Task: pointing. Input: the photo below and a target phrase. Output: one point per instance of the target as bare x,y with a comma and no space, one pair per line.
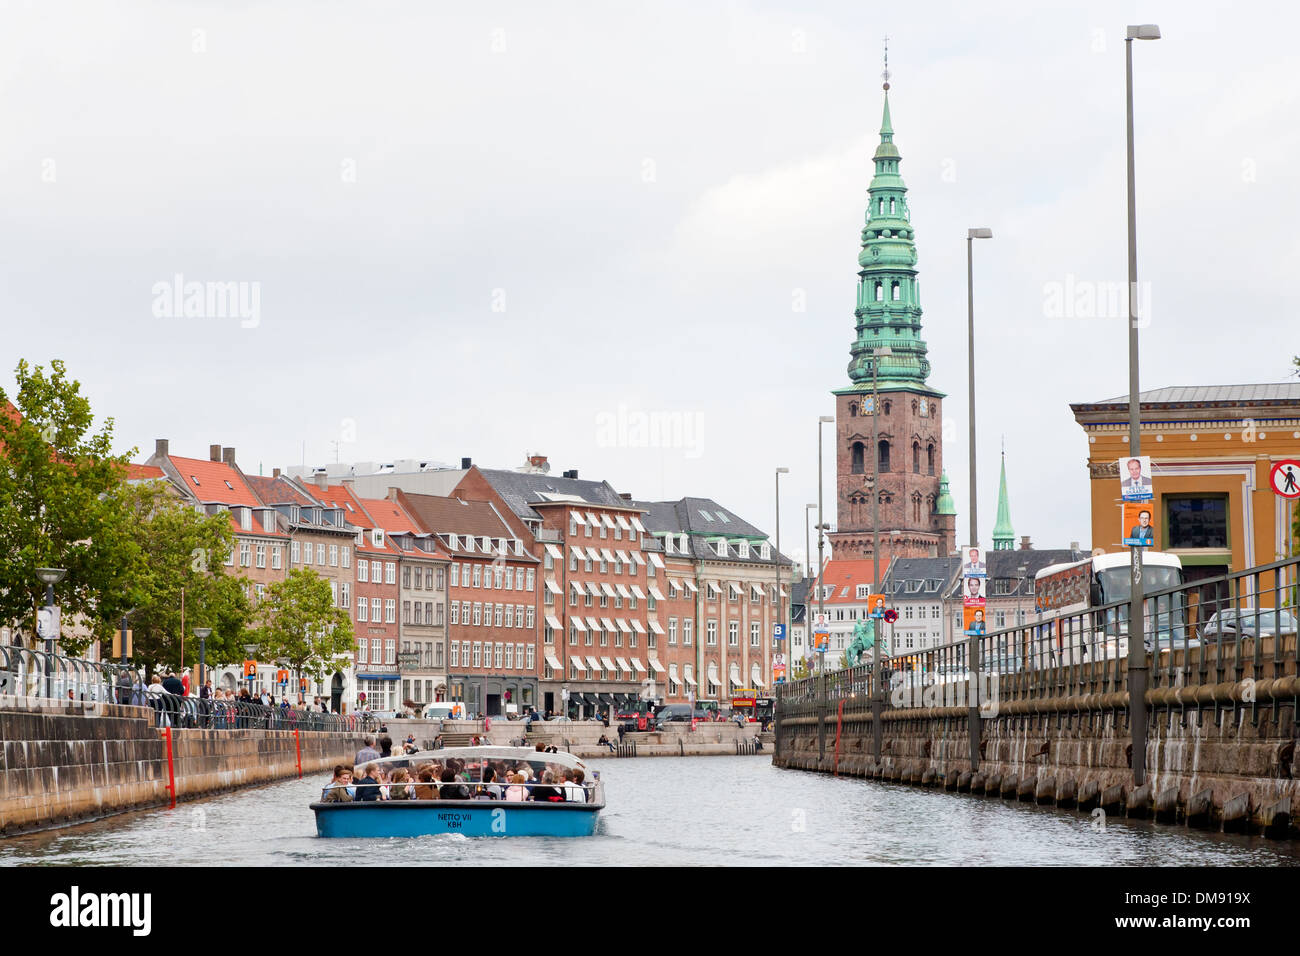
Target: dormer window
743,547
721,547
377,537
486,543
453,542
765,551
469,542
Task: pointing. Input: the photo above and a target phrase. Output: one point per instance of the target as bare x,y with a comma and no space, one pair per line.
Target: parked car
1232,622
673,713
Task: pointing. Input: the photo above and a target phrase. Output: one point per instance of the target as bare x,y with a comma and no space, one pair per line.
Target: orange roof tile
216,481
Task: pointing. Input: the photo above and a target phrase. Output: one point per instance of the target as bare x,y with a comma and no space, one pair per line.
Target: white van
439,711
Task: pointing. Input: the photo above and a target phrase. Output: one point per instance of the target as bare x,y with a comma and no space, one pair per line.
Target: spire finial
885,75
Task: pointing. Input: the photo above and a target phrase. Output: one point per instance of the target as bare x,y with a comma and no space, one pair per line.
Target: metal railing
29,673
1212,631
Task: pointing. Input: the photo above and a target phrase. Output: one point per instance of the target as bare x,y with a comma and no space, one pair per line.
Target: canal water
661,811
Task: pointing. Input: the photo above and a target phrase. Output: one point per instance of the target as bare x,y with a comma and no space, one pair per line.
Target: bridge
1199,730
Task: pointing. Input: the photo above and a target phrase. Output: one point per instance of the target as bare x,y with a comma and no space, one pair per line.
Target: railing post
974,727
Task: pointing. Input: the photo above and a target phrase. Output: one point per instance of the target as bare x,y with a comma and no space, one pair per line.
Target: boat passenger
451,789
490,788
545,791
368,784
574,791
400,788
515,793
340,789
427,788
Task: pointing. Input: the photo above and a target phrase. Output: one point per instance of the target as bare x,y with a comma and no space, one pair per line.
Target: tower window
858,453
916,457
929,457
882,456
895,290
891,207
880,292
882,207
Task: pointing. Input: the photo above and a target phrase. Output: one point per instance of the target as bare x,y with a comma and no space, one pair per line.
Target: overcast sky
506,230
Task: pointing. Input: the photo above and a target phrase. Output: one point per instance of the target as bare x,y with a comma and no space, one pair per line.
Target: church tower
909,421
1004,535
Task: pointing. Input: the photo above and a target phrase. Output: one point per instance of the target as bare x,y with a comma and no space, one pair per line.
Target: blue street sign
778,632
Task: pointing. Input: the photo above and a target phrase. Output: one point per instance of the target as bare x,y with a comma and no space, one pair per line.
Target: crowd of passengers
453,778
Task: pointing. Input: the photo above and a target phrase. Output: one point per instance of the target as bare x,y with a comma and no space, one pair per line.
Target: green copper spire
945,504
889,308
1004,536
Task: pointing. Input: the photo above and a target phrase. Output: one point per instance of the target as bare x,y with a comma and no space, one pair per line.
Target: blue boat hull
414,818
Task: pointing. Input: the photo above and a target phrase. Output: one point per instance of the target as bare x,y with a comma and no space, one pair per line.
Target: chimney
1074,546
466,464
275,473
1024,543
322,481
214,453
625,495
571,473
228,456
160,448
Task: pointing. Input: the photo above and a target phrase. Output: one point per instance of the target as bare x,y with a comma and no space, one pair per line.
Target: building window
361,651
346,595
245,554
733,634
711,633
478,654
455,612
320,554
882,458
753,634
529,582
531,618
478,614
390,577
688,631
1199,521
406,612
406,576
929,458
293,552
496,615
362,609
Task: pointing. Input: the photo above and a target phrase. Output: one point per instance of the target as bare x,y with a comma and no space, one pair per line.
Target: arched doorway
336,693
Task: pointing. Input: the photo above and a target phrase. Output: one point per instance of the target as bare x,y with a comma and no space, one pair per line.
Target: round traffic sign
1285,478
891,615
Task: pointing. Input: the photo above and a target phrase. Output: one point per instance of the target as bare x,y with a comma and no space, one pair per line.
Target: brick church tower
917,518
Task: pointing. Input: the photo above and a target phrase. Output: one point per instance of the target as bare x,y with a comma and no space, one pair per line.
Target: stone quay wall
1228,767
64,762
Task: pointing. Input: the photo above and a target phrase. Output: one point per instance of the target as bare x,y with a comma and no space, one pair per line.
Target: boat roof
491,752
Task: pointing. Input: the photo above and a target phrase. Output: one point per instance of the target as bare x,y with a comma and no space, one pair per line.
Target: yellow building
1212,449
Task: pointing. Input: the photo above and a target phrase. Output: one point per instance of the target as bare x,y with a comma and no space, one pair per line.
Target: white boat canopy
489,751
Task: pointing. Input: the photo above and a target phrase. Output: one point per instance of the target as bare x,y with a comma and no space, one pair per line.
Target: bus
1065,590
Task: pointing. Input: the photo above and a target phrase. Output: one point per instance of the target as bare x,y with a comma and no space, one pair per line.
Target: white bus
1062,590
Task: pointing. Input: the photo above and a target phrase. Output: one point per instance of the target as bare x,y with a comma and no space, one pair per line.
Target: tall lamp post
1137,652
780,602
202,633
971,236
807,551
878,699
821,536
47,621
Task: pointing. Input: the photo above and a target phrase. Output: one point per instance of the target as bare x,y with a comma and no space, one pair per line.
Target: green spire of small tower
945,505
1004,536
888,307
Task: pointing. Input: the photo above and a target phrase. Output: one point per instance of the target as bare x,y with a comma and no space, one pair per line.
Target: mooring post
974,728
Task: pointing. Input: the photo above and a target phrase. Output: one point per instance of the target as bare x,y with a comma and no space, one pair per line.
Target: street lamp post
878,699
821,536
971,236
48,621
780,602
202,633
1137,653
807,551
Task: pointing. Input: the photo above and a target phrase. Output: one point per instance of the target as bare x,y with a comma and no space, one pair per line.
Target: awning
636,523
711,588
593,624
623,665
608,589
576,586
657,561
734,589
623,625
376,677
756,592
577,516
609,625
656,627
672,674
622,556
554,622
609,522
554,552
595,522
735,674
655,592
595,664
609,664
622,523
713,674
576,661
654,663
690,584
593,588
576,621
756,675
593,554
636,626
636,662
784,594
607,554
577,552
689,674
623,592
553,663
553,587
638,592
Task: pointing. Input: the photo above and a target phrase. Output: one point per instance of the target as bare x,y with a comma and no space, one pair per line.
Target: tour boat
475,817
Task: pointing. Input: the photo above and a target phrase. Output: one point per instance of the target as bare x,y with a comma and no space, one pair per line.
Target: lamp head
783,471
979,233
826,418
203,632
51,575
1145,31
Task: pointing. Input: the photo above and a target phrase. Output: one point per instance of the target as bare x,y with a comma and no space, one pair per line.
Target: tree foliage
61,505
299,626
183,553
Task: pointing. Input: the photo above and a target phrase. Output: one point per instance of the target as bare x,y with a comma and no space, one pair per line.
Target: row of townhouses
501,589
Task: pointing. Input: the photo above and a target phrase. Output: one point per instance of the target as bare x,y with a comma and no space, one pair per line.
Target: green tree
183,553
61,505
798,668
300,626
